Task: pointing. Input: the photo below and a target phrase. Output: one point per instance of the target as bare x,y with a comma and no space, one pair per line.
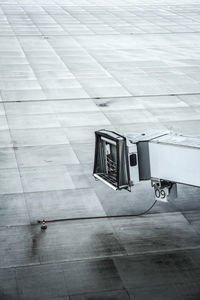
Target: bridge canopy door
111,159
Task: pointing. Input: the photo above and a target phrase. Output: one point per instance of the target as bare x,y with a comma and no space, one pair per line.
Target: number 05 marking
160,193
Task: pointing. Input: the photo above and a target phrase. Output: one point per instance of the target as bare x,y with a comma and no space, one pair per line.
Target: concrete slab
13,210
39,137
47,155
193,218
7,158
92,276
161,232
134,270
113,295
8,284
45,288
10,181
33,121
63,204
45,178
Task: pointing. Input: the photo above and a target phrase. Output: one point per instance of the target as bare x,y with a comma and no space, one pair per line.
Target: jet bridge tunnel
162,157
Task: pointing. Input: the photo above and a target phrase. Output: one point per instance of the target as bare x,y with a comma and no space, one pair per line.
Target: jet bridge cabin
176,158
162,157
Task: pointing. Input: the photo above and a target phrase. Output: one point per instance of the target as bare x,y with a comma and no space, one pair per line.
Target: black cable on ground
99,217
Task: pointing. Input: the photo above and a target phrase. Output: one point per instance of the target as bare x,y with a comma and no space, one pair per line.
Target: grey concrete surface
68,68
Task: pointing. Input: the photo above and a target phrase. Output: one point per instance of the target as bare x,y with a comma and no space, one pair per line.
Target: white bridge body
175,158
169,159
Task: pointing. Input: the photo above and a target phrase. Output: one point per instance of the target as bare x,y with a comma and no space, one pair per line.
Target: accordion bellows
111,159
